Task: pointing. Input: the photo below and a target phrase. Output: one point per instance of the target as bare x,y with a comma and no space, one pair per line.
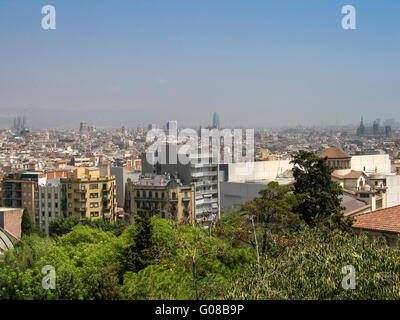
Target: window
49,195
156,194
69,205
94,186
138,194
56,196
94,214
69,195
69,186
94,204
56,205
150,194
94,195
83,188
49,214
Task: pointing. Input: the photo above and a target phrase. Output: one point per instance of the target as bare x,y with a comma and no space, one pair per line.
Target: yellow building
87,194
162,196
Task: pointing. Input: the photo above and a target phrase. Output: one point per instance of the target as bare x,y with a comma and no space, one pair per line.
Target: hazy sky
255,62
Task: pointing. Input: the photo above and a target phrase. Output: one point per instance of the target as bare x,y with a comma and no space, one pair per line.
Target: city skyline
16,119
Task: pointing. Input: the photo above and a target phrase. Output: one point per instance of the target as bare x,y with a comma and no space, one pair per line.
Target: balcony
204,174
141,199
205,211
206,183
208,191
206,201
106,205
80,190
202,165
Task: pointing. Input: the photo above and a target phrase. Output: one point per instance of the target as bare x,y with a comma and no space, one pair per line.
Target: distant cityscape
59,166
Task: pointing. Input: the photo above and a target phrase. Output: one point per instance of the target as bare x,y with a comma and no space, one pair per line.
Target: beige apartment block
87,194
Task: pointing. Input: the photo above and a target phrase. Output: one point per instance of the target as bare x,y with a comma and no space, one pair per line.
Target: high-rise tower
216,123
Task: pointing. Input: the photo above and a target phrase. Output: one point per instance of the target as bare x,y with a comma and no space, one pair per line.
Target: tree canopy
318,196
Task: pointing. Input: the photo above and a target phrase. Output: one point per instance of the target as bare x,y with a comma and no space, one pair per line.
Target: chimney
373,202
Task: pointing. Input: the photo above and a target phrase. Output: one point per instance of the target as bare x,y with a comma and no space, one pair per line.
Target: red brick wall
12,221
57,174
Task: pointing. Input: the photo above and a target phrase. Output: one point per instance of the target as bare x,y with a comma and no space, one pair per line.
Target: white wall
262,170
233,194
381,162
393,190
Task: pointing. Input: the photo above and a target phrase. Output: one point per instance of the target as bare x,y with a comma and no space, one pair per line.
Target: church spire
361,128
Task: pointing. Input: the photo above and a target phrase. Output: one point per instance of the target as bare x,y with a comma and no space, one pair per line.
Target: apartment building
201,169
88,194
20,190
121,177
49,202
163,196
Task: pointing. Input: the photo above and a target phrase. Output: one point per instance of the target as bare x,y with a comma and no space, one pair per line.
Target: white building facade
49,202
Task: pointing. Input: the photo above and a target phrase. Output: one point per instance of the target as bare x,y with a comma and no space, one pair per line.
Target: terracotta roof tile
334,153
380,220
351,175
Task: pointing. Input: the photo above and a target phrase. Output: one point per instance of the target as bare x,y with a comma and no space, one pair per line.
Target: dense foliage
27,225
309,266
93,264
62,225
185,262
318,195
